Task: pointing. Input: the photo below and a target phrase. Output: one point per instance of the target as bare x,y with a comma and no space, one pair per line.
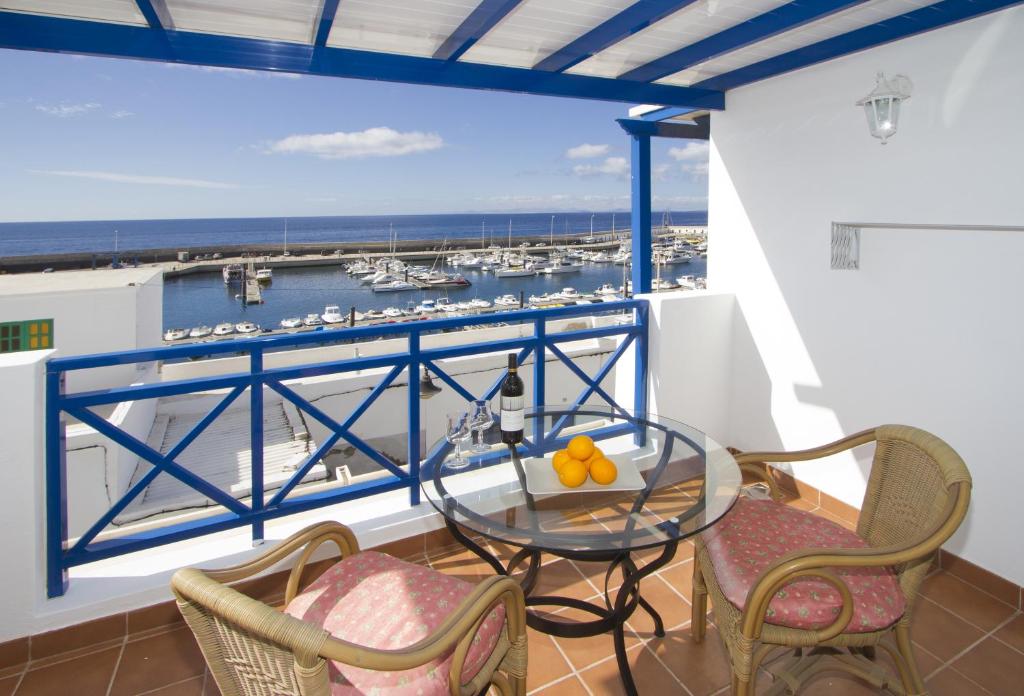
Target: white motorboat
393,286
312,320
466,305
664,284
516,271
600,257
373,314
200,332
246,327
687,282
233,273
426,307
393,312
437,279
543,299
332,315
478,303
175,334
291,323
445,305
622,258
558,265
606,290
567,294
378,277
506,301
224,329
671,258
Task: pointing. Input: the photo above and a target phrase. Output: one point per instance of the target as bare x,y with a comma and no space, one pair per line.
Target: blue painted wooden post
540,332
256,438
640,176
640,373
56,487
414,418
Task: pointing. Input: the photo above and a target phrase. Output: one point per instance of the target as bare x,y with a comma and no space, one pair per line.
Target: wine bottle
512,404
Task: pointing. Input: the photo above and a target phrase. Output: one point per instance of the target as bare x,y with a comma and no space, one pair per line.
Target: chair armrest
311,538
849,442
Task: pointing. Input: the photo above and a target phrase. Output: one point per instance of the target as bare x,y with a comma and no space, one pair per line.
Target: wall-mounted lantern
882,106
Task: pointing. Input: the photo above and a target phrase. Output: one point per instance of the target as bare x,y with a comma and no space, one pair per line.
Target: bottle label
512,413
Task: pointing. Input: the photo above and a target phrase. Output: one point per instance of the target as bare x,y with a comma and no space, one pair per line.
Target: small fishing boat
567,294
246,327
393,312
312,320
478,303
224,329
175,334
605,290
687,282
373,314
664,284
523,271
543,299
200,332
443,304
506,301
265,275
600,257
393,286
291,323
426,307
332,315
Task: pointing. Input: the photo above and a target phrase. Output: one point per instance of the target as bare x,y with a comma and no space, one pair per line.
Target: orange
603,471
573,473
581,447
560,458
597,454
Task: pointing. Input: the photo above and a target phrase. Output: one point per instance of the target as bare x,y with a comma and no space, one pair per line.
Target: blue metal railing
63,554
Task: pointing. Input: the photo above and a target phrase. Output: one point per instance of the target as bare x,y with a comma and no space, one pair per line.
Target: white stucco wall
928,332
93,312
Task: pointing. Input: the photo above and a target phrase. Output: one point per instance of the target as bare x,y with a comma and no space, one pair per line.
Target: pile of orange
582,459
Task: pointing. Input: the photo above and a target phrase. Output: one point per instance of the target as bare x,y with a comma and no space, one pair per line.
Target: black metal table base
612,616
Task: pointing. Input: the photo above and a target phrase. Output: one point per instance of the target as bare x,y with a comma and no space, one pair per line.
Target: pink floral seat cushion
756,533
378,601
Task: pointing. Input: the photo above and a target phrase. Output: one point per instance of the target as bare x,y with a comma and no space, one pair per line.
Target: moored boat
246,327
291,323
175,334
224,329
200,332
332,315
312,320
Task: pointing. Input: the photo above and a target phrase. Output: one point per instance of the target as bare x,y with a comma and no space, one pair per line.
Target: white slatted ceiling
697,21
538,28
284,20
119,11
408,27
839,23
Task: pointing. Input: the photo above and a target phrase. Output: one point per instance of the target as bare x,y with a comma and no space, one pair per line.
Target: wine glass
481,418
457,431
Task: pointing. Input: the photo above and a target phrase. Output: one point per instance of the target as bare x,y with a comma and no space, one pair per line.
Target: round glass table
673,482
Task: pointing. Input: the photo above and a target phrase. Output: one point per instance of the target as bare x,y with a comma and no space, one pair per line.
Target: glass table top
683,483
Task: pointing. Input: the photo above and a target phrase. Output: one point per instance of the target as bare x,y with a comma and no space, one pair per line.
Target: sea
204,299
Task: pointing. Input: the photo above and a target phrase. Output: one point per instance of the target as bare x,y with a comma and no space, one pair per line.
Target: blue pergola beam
925,19
328,11
763,26
40,33
634,18
665,113
479,22
156,14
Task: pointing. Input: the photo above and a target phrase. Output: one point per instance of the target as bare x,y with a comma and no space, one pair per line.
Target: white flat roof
70,281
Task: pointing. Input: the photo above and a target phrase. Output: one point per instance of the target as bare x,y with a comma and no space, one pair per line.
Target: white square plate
542,479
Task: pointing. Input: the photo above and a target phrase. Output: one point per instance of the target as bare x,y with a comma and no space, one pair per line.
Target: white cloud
66,110
586,151
235,72
691,152
122,114
372,142
136,178
697,169
612,166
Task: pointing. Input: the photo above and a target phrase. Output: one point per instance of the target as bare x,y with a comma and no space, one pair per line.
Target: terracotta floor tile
940,632
949,682
1013,633
680,578
702,667
190,687
211,688
546,663
976,607
838,685
8,685
649,675
92,675
567,687
157,661
462,564
995,665
562,579
595,572
674,610
583,652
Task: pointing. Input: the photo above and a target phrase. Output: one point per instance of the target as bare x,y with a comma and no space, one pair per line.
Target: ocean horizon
106,236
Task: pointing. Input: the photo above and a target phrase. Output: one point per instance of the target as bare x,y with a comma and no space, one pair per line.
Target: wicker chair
833,601
253,649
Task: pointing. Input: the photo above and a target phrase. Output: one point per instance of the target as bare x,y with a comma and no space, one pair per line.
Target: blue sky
94,138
